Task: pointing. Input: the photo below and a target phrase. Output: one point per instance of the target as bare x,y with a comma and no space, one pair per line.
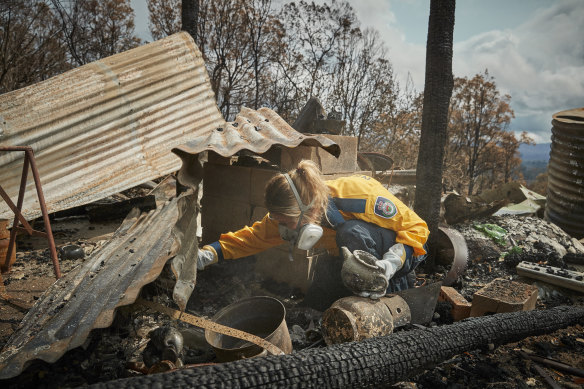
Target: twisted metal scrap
460,259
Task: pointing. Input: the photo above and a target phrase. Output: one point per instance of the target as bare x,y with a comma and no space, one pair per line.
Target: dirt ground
121,350
33,271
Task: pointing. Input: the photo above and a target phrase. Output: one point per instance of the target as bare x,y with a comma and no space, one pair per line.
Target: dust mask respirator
303,237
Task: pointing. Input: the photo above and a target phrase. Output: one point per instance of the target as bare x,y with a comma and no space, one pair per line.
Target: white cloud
406,58
540,63
537,138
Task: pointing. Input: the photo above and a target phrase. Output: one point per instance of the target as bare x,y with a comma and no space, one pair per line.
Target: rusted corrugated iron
87,296
109,125
106,127
256,131
565,193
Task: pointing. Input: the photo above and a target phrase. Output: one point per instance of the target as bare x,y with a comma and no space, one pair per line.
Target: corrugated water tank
565,193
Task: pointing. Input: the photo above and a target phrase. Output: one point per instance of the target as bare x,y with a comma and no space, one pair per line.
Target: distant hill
538,152
534,160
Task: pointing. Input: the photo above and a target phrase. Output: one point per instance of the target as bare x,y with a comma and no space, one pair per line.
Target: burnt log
375,363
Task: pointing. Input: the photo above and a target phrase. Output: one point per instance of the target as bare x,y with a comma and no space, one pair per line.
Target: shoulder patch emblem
384,208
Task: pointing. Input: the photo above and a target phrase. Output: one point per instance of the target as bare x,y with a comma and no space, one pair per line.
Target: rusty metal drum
565,191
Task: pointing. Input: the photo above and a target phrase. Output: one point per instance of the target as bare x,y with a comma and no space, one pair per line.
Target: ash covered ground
121,350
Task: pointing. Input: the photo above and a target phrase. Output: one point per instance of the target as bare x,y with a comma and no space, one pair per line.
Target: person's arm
389,212
249,240
367,199
413,233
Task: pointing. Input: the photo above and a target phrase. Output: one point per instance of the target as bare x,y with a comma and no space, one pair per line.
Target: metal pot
262,316
361,273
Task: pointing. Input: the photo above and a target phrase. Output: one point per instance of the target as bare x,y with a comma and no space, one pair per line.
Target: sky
534,49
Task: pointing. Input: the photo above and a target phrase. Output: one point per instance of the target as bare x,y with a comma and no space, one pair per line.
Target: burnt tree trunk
437,91
373,363
189,17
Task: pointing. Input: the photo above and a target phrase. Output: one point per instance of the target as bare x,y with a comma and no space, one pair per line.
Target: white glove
206,257
371,295
392,260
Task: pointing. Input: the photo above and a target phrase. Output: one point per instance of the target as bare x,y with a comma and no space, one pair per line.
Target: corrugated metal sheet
88,295
256,131
103,128
107,126
565,193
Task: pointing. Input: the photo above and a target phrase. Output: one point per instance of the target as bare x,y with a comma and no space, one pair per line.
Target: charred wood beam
549,380
554,364
375,363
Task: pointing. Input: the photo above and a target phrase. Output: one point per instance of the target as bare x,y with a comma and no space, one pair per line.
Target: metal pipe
15,148
16,211
37,182
13,231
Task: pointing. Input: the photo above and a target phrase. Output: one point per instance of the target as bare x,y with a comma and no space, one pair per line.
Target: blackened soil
118,351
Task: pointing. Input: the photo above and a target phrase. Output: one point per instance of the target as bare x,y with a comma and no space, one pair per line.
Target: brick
209,235
289,157
460,307
502,296
347,161
257,214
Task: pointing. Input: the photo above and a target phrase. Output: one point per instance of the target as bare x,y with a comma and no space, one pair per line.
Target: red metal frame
29,160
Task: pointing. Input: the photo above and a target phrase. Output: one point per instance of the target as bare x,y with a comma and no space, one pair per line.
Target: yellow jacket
356,197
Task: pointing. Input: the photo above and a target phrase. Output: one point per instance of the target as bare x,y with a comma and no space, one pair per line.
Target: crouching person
354,216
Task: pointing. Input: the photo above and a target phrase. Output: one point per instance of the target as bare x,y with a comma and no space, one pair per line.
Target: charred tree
373,363
190,16
437,92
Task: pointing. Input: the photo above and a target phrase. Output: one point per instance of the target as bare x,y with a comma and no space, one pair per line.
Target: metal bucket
262,316
565,193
